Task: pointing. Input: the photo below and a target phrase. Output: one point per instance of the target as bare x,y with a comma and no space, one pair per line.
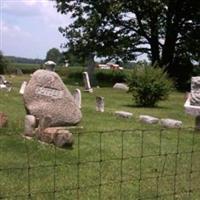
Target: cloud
13,31
30,27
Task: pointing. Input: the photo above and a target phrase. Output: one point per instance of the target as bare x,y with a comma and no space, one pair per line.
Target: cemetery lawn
95,162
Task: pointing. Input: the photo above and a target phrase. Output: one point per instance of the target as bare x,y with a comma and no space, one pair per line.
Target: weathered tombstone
19,71
171,123
123,114
77,97
148,119
100,104
86,80
2,79
192,104
22,88
29,125
46,95
121,86
50,65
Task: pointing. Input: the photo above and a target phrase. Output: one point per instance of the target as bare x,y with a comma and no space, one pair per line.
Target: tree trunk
91,69
155,55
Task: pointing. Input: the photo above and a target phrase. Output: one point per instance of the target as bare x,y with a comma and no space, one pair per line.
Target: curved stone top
46,95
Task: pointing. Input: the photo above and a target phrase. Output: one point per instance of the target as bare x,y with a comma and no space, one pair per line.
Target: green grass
153,161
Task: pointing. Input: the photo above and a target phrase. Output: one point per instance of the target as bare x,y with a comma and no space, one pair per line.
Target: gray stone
195,91
148,119
29,125
124,114
46,95
171,123
121,86
77,97
87,85
100,104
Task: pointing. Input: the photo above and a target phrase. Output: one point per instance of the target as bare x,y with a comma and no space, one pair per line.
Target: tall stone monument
87,85
192,104
46,97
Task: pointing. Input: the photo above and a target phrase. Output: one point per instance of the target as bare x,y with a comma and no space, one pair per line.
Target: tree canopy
166,30
55,55
3,63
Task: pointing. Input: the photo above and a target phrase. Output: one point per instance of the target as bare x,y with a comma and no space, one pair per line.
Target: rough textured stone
100,104
124,114
63,138
195,91
121,86
171,123
3,120
148,119
46,95
29,125
57,136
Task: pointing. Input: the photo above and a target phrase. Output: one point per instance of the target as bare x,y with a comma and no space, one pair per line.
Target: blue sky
29,28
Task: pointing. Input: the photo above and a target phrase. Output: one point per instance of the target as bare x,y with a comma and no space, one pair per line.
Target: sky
29,28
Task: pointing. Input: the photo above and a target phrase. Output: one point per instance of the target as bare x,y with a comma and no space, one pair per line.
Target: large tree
55,55
163,29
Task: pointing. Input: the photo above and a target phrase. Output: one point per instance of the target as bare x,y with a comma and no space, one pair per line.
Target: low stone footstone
86,81
3,120
46,95
148,119
29,125
171,123
77,97
100,104
63,138
121,86
123,114
57,136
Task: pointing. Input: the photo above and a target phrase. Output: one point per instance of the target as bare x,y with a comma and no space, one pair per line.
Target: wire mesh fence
117,164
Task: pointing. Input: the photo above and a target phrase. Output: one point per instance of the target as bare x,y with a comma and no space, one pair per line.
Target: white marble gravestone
192,104
87,85
77,97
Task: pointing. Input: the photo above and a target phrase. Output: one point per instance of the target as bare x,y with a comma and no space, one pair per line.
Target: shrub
149,85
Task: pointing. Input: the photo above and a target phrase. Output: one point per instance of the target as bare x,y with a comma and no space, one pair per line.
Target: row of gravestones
50,107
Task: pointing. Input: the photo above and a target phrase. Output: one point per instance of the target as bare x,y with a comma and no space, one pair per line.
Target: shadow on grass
149,107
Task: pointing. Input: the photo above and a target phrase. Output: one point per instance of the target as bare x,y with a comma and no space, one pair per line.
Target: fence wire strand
142,164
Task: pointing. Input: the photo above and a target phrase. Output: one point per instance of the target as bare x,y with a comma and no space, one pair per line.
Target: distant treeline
24,60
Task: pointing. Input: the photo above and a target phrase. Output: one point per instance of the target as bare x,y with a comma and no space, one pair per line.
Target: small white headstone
77,97
121,86
23,86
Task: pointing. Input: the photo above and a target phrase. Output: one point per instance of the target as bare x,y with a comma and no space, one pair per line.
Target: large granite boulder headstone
46,95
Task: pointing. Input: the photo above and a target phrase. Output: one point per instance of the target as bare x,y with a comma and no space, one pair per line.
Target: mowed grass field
112,158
